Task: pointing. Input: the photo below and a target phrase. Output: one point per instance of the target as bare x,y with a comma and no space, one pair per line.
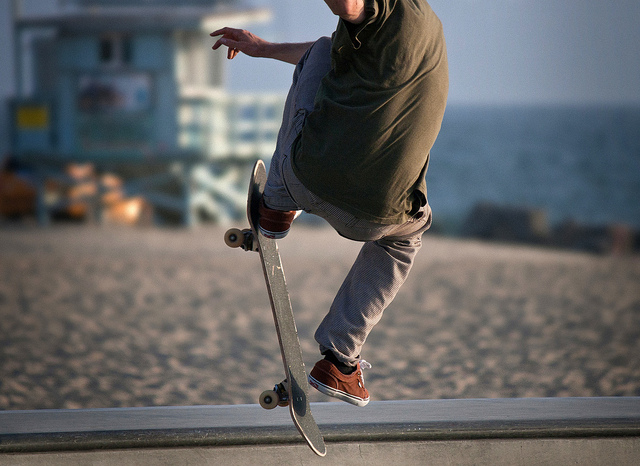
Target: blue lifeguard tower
133,88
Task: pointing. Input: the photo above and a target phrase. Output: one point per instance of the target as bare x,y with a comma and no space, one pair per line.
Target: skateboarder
362,114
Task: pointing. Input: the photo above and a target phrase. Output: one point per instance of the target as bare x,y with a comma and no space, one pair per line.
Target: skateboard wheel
234,238
269,399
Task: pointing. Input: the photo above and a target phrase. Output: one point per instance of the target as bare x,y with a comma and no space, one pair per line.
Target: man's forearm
239,40
286,52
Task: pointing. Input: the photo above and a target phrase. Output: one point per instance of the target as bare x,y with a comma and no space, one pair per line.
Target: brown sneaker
274,223
326,378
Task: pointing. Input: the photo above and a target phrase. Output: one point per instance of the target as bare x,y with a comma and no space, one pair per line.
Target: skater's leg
372,283
312,67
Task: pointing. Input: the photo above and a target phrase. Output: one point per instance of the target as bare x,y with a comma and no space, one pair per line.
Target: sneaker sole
332,392
271,234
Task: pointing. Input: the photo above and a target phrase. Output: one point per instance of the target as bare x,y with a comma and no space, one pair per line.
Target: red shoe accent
274,223
326,378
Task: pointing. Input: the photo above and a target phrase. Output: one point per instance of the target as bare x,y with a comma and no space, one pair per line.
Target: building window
115,50
106,50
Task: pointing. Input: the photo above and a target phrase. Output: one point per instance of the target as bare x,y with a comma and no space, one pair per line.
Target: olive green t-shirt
365,147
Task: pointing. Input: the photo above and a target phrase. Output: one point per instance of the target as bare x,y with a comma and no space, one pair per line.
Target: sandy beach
96,317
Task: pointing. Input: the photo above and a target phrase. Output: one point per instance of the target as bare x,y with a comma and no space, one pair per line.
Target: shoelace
363,365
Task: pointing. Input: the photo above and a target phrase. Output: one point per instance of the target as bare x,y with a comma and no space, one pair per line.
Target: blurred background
117,114
120,111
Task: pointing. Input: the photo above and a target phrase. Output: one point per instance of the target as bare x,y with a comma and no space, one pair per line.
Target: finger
232,44
217,45
232,53
225,30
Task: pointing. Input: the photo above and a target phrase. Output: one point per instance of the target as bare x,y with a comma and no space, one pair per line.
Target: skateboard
294,390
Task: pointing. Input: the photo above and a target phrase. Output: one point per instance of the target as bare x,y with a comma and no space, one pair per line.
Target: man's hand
349,10
239,40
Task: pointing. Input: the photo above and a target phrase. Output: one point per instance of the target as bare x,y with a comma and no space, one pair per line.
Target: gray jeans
388,251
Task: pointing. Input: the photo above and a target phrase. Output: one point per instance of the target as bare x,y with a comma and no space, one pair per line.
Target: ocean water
579,163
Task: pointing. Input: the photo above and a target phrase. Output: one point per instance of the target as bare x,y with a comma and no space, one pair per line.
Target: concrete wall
497,432
611,451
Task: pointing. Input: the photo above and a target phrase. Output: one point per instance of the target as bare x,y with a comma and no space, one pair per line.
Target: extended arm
239,40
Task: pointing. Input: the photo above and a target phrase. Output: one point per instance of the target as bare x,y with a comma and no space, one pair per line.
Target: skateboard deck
296,389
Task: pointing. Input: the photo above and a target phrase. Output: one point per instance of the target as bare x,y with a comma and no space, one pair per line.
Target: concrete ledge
400,421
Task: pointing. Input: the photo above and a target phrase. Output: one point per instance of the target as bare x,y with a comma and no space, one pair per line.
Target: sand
97,317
